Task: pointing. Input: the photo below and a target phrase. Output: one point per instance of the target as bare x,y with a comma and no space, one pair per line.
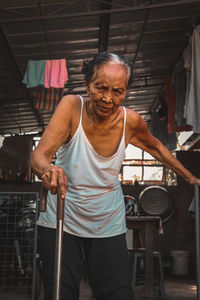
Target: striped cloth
47,99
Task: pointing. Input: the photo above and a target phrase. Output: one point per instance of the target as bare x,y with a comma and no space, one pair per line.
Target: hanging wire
45,29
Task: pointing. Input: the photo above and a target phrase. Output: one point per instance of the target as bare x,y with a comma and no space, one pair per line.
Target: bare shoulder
59,128
69,101
134,120
60,124
137,132
66,109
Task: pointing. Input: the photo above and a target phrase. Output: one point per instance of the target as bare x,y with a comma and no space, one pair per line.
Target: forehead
111,71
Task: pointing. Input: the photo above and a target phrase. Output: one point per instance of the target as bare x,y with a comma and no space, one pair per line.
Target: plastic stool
137,258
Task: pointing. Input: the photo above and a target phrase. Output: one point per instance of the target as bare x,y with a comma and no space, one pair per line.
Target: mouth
103,108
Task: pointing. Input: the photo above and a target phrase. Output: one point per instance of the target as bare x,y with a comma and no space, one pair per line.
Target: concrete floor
177,288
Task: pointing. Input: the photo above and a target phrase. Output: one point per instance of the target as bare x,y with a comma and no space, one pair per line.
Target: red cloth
171,102
55,73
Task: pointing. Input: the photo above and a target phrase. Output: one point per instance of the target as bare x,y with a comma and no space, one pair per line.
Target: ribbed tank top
94,203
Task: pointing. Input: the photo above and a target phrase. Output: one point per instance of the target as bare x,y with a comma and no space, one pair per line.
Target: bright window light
148,156
153,173
132,173
133,152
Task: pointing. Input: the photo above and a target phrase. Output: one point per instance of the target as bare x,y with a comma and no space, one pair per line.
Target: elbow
156,150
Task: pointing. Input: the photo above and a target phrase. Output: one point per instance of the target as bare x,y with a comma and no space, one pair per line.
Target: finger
62,190
46,181
54,180
63,184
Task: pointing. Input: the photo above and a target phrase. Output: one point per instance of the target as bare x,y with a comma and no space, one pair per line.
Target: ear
88,89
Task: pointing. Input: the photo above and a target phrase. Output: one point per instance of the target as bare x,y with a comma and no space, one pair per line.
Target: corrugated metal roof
152,34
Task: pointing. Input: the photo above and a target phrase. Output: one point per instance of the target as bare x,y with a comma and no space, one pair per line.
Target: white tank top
94,204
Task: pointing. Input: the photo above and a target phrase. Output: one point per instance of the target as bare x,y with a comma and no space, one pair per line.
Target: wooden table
148,224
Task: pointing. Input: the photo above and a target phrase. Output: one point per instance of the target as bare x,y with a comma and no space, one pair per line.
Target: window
139,166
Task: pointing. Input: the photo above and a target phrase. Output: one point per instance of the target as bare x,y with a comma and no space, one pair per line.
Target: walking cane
59,237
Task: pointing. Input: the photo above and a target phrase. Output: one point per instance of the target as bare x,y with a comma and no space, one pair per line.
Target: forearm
141,137
40,163
170,161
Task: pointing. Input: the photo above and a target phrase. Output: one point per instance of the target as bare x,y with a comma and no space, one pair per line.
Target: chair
137,258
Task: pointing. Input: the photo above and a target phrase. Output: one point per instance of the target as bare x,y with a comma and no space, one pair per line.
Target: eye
101,87
118,91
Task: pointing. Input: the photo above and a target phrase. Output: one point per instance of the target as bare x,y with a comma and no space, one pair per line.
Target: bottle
18,174
10,175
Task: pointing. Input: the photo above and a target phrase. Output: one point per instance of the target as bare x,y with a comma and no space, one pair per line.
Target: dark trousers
107,262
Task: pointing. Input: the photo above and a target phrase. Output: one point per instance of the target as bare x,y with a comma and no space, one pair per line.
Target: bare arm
141,137
56,133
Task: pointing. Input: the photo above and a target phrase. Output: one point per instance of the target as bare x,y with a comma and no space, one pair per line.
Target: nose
107,98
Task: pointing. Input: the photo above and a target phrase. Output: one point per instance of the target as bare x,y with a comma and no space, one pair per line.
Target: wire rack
18,244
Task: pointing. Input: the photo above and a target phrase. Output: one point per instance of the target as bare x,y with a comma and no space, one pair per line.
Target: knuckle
53,185
45,176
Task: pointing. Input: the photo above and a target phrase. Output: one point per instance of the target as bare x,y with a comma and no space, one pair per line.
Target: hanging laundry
171,102
48,99
179,85
192,107
35,72
55,73
158,128
187,55
162,109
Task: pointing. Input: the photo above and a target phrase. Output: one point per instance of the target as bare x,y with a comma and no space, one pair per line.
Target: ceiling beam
85,27
99,12
9,55
10,116
19,129
104,27
45,30
140,37
55,3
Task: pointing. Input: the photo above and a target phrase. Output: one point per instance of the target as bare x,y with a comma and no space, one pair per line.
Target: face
107,89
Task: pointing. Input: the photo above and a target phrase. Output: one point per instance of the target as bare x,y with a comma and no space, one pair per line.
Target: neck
98,120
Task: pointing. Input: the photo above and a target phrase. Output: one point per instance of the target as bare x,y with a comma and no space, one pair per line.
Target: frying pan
156,201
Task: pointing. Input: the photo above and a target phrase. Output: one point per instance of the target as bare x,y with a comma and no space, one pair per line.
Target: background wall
15,158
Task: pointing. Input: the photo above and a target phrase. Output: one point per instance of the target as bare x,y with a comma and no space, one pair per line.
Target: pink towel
55,73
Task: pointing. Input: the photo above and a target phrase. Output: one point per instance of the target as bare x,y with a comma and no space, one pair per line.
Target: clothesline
47,73
48,77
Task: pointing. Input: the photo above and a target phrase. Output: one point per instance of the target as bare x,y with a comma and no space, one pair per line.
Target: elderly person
90,136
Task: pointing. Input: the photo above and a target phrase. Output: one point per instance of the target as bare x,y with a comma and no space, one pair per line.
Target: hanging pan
156,201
